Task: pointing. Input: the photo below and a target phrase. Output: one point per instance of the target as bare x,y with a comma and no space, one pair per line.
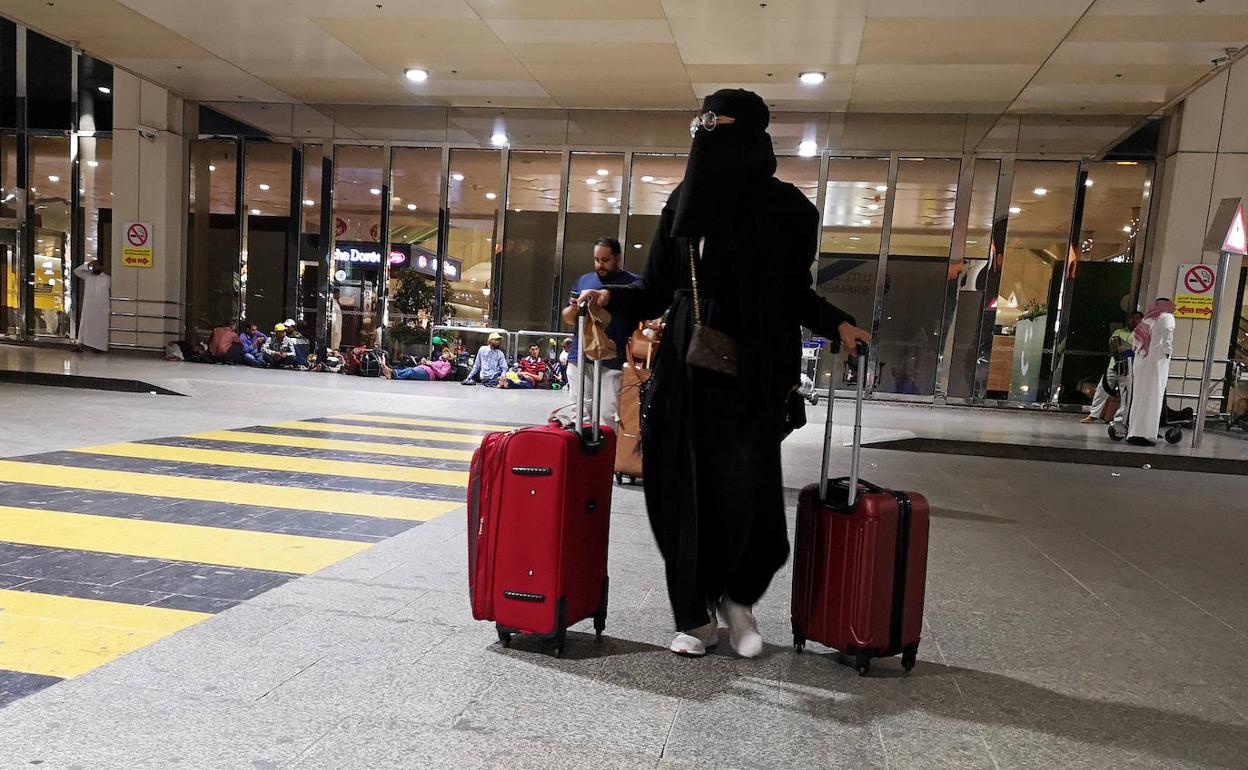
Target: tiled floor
105,549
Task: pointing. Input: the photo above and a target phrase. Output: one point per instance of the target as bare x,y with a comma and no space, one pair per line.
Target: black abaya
711,443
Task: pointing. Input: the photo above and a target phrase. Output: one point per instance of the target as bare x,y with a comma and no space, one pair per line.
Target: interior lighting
490,196
104,90
457,177
603,172
613,200
212,167
416,74
255,212
647,178
54,179
866,221
1087,183
374,191
872,206
855,237
1040,191
1015,210
808,149
812,77
93,163
309,202
592,180
411,207
636,245
264,187
881,188
499,139
1126,228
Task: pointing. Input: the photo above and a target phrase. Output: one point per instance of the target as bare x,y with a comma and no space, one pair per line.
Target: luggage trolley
1170,419
810,369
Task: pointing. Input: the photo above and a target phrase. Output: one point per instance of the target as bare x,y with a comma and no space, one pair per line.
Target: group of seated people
531,372
284,348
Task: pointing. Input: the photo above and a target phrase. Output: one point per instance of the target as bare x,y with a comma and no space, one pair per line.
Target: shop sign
357,256
373,232
340,227
429,266
137,249
1193,297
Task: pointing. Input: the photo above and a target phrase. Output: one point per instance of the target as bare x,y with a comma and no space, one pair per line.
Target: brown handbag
642,348
709,348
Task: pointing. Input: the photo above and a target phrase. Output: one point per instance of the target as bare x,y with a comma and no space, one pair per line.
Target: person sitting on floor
253,343
491,363
426,370
530,372
224,345
279,350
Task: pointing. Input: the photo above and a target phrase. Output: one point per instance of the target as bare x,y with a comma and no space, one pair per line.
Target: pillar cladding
149,187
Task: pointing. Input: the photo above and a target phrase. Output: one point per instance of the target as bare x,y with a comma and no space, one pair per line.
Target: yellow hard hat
279,328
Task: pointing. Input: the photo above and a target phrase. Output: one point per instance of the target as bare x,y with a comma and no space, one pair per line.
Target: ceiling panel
1166,7
561,9
809,43
205,79
1021,9
774,9
367,9
581,30
1225,28
626,95
989,40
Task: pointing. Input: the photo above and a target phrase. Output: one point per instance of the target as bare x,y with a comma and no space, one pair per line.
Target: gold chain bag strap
709,348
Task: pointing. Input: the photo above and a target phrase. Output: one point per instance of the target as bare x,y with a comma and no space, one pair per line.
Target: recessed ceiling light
971,243
416,74
54,178
872,206
647,178
104,90
855,237
264,187
866,221
1040,191
636,245
812,78
603,172
458,177
491,196
1087,183
808,149
1015,210
255,212
1126,228
881,188
613,200
93,163
309,202
592,180
499,139
374,191
411,207
211,167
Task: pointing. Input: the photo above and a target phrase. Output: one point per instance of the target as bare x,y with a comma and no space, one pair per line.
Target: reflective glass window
918,267
266,204
474,191
416,174
311,255
1114,196
1037,241
358,261
11,294
213,283
53,260
95,94
800,172
8,74
596,182
96,192
49,99
654,177
528,269
962,344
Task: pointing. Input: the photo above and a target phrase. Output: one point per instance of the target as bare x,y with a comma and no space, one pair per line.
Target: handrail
136,299
507,336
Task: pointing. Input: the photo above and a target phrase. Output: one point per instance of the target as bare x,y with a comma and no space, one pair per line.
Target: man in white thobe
93,323
1153,342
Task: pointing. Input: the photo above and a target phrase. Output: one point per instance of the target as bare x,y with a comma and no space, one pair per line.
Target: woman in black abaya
711,441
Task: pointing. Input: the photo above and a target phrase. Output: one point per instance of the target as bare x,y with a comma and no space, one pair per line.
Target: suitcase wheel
504,637
908,658
863,664
1173,435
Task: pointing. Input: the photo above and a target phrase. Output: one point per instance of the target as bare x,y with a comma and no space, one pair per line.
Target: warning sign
1193,297
137,249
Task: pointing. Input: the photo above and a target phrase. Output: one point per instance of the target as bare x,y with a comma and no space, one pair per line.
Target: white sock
742,628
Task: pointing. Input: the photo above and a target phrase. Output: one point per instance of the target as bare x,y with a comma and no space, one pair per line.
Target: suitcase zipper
902,561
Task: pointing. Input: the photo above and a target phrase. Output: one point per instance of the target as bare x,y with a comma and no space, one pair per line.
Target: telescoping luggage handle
595,430
827,430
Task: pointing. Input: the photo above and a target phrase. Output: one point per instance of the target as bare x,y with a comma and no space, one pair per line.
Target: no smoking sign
1193,297
137,250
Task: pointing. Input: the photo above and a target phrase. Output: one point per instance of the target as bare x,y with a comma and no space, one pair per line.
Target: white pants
610,391
1102,396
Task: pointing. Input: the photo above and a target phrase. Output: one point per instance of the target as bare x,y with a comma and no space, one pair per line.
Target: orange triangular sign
1236,241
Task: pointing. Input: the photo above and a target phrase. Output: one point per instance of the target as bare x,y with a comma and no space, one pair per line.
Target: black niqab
725,165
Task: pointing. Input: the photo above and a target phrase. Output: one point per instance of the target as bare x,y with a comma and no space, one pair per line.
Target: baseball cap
290,322
495,336
279,328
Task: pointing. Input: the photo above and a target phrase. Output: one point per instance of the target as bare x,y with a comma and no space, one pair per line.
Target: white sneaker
742,628
695,643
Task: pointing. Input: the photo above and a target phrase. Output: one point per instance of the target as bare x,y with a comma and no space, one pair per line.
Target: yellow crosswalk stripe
212,490
423,422
372,430
289,464
181,542
64,636
339,445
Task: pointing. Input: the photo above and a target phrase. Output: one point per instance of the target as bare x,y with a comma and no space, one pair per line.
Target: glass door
11,315
49,202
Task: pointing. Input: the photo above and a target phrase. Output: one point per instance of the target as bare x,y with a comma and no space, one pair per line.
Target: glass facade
984,279
55,180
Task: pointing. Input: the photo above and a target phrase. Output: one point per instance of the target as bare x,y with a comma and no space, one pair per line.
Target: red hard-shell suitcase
539,511
860,563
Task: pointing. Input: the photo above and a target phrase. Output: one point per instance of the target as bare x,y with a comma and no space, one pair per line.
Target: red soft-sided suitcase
860,563
539,511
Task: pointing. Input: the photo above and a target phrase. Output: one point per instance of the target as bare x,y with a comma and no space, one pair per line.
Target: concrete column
149,168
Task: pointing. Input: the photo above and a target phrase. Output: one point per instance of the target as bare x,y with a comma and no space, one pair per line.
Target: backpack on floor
370,363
